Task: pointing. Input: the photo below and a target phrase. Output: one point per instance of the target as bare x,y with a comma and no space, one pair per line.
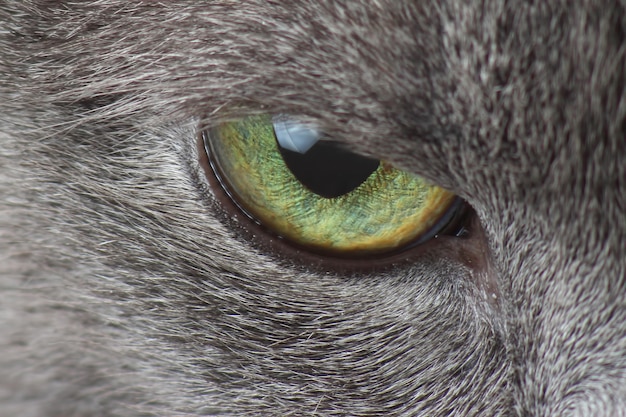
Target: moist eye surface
311,192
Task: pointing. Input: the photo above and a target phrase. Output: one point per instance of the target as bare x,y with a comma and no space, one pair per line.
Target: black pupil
328,170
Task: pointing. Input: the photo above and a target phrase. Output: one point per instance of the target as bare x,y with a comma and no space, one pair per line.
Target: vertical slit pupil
328,170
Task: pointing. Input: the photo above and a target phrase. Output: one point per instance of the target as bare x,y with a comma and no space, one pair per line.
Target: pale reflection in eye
294,136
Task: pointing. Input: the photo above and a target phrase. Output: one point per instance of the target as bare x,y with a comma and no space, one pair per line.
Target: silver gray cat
126,288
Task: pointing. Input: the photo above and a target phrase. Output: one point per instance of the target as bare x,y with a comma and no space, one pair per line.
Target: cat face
134,283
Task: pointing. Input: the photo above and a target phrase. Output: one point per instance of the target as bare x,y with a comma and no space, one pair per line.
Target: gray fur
126,291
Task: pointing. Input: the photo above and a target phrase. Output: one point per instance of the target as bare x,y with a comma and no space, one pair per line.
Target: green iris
387,211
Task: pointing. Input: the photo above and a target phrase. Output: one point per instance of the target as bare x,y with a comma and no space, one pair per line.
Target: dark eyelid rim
294,255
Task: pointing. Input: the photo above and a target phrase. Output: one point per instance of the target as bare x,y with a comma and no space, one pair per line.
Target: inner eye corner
308,174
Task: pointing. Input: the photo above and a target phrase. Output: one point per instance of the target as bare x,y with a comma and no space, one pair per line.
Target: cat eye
305,188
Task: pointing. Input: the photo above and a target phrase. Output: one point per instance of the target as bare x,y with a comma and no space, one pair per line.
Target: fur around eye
320,196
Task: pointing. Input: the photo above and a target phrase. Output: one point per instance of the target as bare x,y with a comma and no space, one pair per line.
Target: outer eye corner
318,197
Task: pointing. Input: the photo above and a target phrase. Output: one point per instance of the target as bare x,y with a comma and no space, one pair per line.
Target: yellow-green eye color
383,210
